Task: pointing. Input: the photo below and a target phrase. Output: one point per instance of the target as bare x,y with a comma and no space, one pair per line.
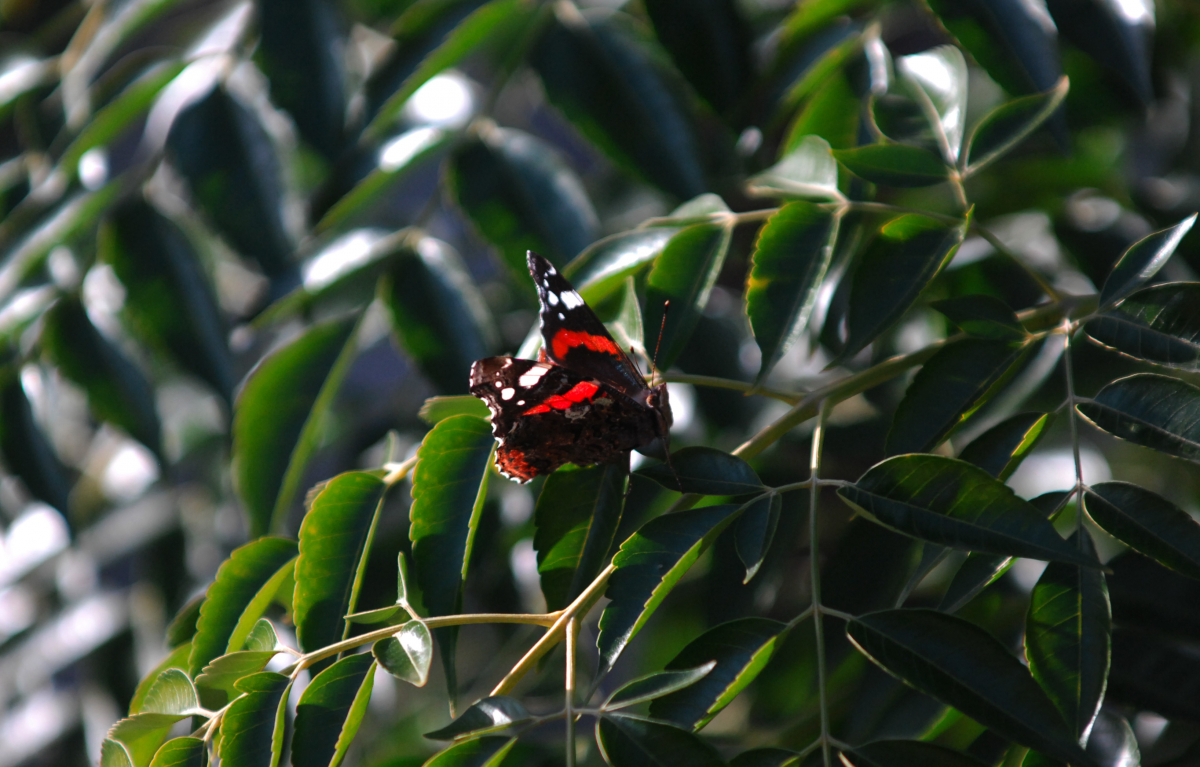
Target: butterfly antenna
658,343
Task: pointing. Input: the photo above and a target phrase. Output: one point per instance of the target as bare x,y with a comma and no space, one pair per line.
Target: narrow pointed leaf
408,654
601,270
705,470
952,385
627,327
277,416
181,752
330,710
253,729
937,80
905,257
1000,449
27,452
488,751
449,487
1159,324
963,666
952,503
1142,261
902,753
576,517
627,741
982,316
245,584
831,112
741,649
656,685
1147,522
790,260
896,165
1150,410
217,682
649,565
684,275
489,714
754,531
1009,124
334,543
807,171
1067,639
1119,37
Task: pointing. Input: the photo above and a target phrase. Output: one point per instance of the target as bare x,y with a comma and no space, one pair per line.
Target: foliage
932,344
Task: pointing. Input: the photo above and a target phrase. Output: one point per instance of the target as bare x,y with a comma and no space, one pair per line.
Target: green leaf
1142,260
277,419
168,298
629,741
262,637
1147,522
741,649
897,165
601,270
488,715
705,470
407,655
330,711
952,503
807,171
656,685
1009,124
488,751
1000,449
754,531
613,91
171,693
937,80
952,385
1067,639
27,452
449,487
254,725
903,753
176,659
521,195
334,544
115,754
437,409
790,260
710,43
139,737
245,584
1159,324
627,328
182,752
908,253
983,317
766,757
1150,410
831,112
963,666
649,565
117,391
576,519
684,275
217,682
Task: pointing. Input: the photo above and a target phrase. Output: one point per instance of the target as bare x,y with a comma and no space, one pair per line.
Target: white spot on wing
507,394
499,384
562,316
552,298
571,299
532,376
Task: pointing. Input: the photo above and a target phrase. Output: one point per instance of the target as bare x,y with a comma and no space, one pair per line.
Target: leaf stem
572,637
1073,420
398,471
814,558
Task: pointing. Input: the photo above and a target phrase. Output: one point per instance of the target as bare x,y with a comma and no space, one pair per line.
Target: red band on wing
580,392
566,340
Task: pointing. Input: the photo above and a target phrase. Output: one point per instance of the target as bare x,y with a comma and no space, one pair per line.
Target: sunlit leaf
937,80
182,752
488,715
1009,124
217,681
1142,260
330,711
407,655
807,171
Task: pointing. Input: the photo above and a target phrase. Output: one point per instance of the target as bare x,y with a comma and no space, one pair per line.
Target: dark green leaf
183,626
790,260
602,269
952,503
611,90
656,685
1119,37
975,574
963,666
330,710
276,420
1153,672
709,42
904,753
521,195
1067,639
26,451
705,470
168,299
952,385
488,715
1151,410
897,165
117,391
1142,260
754,531
230,164
1160,324
182,752
1000,449
649,565
576,517
253,729
766,757
807,171
1009,124
937,80
983,317
741,649
831,112
488,751
334,544
139,737
627,741
449,487
408,654
1148,522
684,275
438,409
905,257
245,584
217,682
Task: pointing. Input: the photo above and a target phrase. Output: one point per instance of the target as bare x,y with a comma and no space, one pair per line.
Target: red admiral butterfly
582,402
